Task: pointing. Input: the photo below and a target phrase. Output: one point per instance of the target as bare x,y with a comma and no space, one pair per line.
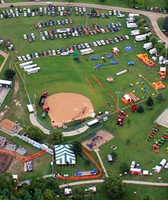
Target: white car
95,44
132,164
28,56
19,58
53,52
25,36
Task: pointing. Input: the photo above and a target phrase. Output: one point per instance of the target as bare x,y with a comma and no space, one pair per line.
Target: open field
62,74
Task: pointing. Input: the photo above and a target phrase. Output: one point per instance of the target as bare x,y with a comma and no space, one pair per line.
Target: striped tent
64,155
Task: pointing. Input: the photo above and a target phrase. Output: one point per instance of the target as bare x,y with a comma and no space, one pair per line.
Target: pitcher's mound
67,107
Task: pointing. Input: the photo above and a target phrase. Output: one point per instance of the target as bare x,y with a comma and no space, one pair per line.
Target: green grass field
63,74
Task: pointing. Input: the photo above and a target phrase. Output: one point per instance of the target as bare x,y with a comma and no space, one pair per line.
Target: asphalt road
153,16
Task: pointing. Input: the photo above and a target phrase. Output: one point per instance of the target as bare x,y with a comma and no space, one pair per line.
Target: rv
86,51
153,51
148,45
135,32
132,25
132,15
94,121
139,38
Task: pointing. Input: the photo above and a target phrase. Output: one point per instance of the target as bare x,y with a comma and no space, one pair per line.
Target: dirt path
153,16
5,55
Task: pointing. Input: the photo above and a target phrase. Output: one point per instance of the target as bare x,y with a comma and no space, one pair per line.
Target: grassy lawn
63,74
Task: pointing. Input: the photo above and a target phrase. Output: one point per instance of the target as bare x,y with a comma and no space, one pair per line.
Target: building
5,83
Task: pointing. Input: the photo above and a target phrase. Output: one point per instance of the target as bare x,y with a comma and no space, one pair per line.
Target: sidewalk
34,121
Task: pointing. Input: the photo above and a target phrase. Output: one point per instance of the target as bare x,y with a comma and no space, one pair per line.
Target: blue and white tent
64,155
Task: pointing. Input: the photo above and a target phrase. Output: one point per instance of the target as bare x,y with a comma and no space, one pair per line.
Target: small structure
158,85
110,79
30,108
110,158
115,50
67,191
9,127
5,83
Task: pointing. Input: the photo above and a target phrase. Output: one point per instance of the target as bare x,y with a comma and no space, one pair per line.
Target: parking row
74,32
54,22
57,11
70,49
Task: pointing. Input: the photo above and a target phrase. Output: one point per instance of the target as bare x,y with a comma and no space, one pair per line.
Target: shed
5,83
9,126
30,108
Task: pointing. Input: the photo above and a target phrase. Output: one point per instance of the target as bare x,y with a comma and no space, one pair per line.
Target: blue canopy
98,65
94,58
109,55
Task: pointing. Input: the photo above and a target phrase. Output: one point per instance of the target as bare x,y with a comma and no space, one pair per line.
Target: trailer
148,46
29,67
94,121
135,32
153,51
25,63
140,38
130,20
86,51
131,25
132,15
33,70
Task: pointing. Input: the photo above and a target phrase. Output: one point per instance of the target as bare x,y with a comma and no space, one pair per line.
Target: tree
160,97
136,3
124,167
140,109
114,155
49,195
7,182
114,188
36,133
149,102
56,136
102,1
154,40
147,197
159,46
77,147
165,24
52,184
10,73
142,30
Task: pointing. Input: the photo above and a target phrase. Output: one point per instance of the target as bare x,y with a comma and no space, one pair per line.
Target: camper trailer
25,64
135,32
132,25
132,15
153,51
148,46
33,70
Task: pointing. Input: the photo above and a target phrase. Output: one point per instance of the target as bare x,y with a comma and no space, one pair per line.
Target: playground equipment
158,85
162,71
121,115
42,98
115,50
133,108
144,58
121,72
45,111
129,98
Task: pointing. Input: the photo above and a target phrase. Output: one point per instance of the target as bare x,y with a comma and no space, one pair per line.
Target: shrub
140,109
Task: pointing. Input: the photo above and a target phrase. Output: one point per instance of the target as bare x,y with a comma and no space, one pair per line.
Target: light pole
34,103
118,92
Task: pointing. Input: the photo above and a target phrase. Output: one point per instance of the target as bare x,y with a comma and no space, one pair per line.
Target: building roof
8,124
5,82
64,154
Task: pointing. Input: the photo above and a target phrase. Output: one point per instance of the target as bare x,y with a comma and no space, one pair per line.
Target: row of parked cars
70,49
54,22
79,31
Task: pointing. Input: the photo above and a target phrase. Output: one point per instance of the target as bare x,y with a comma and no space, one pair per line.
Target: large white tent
64,155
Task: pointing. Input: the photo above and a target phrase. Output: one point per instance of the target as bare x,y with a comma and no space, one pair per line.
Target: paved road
153,16
124,181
